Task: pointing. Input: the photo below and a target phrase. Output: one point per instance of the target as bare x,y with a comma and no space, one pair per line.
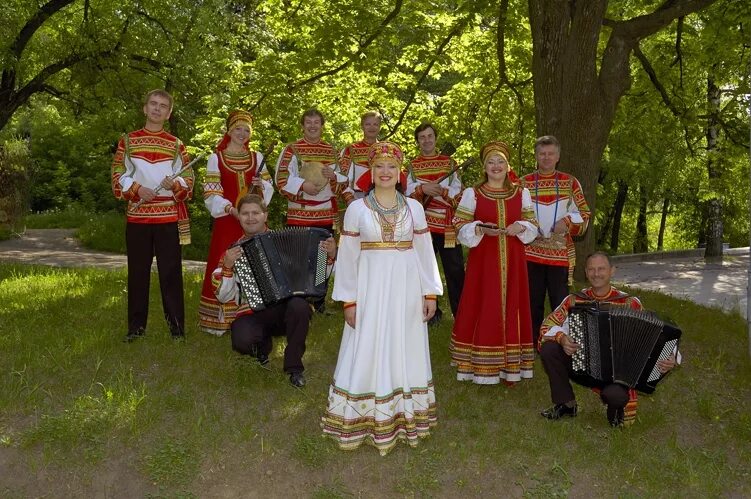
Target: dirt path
715,284
59,248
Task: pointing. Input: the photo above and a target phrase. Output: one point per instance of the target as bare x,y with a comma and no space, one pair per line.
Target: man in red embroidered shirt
354,157
556,347
148,172
306,174
440,200
561,212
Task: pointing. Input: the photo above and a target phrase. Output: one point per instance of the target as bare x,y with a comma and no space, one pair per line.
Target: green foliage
14,183
72,216
413,60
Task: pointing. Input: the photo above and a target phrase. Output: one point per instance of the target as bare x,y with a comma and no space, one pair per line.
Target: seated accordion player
281,264
620,345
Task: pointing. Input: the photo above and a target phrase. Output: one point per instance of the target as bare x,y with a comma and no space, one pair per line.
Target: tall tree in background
578,86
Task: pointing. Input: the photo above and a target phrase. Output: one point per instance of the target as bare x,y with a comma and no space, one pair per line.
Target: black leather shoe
558,411
615,416
134,335
297,379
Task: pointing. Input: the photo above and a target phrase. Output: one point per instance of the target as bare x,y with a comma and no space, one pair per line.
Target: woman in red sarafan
230,174
492,337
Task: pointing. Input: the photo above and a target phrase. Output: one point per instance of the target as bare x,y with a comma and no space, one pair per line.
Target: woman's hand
428,309
350,314
484,230
515,229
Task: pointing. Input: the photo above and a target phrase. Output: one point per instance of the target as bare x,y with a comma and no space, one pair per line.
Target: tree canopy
624,87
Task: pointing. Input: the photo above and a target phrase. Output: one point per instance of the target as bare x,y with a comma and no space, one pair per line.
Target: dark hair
310,113
252,199
424,126
602,254
160,93
547,140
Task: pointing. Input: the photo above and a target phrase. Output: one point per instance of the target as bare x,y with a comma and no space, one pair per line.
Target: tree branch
33,24
678,52
648,24
439,51
352,58
645,64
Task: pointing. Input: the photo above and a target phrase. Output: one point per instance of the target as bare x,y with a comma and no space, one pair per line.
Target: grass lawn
83,414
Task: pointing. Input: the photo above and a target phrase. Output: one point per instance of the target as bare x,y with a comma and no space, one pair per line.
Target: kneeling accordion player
619,345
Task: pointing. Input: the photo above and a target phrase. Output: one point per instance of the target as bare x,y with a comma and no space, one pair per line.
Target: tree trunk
641,241
602,233
714,205
620,202
576,90
663,222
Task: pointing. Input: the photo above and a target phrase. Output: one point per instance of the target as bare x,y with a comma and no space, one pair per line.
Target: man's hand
350,316
146,194
428,309
231,256
568,345
666,365
432,189
328,172
560,227
256,182
329,246
310,189
167,183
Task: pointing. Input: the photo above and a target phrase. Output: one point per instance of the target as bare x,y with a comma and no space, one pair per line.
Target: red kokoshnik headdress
498,147
235,118
382,150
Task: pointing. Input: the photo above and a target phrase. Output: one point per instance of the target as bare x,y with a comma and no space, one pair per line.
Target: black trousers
452,260
143,242
550,280
558,368
252,333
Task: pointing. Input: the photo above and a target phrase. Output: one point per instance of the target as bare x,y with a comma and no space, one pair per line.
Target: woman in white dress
387,277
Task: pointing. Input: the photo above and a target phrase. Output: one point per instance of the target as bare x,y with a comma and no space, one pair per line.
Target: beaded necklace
391,220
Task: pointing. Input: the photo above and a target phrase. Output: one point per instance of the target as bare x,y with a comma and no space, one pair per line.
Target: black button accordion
620,345
278,265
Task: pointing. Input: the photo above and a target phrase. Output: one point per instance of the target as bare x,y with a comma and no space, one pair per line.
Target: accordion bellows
620,345
281,264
